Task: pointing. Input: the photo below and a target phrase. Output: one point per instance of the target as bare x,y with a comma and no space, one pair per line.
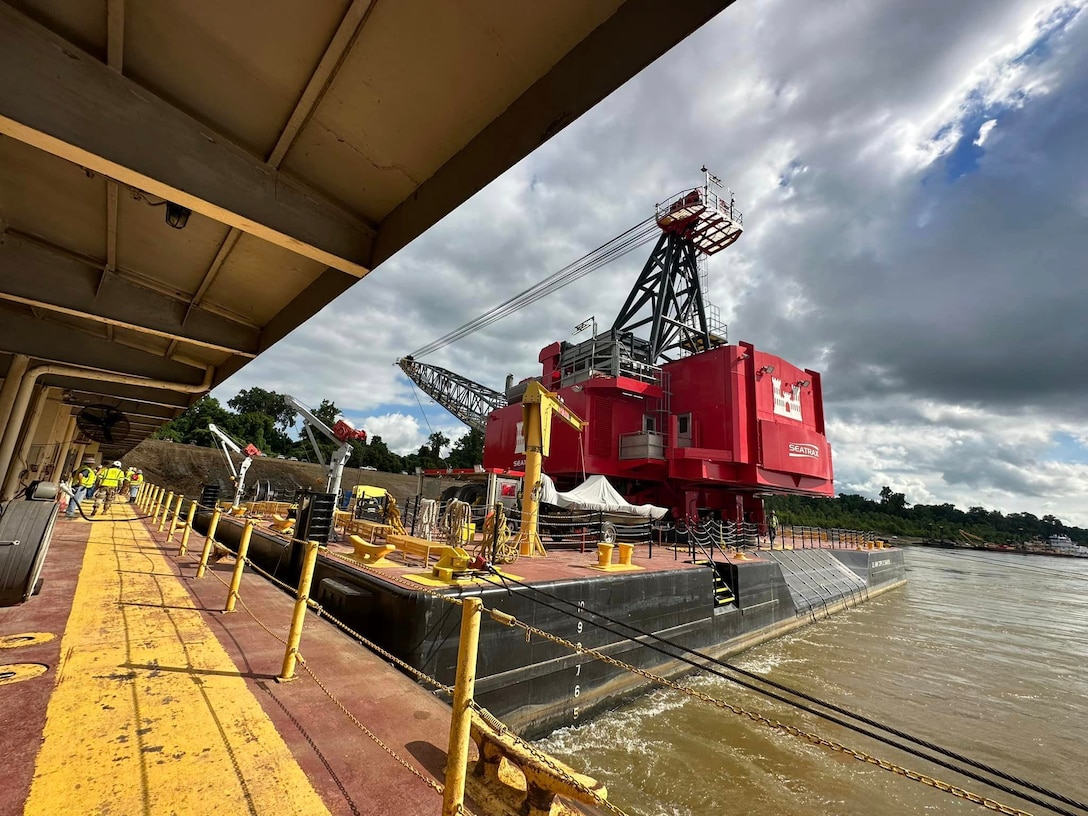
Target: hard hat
117,464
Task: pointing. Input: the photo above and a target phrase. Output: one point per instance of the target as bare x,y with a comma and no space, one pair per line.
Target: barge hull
535,685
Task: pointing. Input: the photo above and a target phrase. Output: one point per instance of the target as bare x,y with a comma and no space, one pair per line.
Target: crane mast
694,223
469,401
238,474
342,432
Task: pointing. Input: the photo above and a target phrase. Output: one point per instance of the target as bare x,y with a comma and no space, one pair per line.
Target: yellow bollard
604,555
174,521
184,548
157,505
626,551
209,542
166,510
294,636
453,795
239,565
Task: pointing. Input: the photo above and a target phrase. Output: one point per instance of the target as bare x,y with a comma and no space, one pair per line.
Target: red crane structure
681,418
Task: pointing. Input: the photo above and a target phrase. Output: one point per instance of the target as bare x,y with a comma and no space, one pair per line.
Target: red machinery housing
678,418
707,434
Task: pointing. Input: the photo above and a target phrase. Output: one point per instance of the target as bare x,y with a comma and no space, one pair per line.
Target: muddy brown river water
983,653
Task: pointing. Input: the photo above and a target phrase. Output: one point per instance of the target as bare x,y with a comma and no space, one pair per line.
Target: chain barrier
374,647
437,787
497,725
792,730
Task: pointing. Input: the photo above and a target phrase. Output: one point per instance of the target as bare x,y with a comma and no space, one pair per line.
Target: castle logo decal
787,400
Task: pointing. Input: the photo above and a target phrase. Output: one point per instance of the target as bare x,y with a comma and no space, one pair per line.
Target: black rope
79,507
838,709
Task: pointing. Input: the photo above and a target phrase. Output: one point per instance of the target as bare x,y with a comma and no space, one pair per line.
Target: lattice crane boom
469,401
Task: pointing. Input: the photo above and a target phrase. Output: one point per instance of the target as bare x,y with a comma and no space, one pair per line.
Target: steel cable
682,651
619,246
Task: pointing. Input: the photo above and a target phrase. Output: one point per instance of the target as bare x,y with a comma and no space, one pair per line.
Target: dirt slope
187,467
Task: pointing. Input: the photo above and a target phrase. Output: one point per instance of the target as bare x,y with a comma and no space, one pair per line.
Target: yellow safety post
158,503
239,565
209,542
184,548
453,796
302,599
166,509
174,521
141,500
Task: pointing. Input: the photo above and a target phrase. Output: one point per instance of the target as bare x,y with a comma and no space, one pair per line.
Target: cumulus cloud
930,265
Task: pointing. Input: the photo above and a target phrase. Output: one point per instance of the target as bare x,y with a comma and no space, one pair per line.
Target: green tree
191,428
468,451
258,401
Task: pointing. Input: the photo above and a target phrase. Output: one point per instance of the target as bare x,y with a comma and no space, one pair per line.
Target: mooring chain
437,787
252,614
374,647
370,734
792,730
281,584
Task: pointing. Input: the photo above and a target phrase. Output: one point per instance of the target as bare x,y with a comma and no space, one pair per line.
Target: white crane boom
342,432
238,474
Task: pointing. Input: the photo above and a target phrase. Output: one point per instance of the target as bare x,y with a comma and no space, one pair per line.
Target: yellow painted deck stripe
149,714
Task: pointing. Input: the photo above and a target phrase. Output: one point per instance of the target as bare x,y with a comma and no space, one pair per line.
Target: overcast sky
914,181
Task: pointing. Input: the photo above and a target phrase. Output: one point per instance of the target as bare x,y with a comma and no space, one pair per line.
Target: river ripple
983,653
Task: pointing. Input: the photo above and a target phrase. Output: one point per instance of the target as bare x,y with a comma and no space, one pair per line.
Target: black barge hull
536,686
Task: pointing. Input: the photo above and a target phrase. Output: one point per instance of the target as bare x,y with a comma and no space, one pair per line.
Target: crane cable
682,652
631,239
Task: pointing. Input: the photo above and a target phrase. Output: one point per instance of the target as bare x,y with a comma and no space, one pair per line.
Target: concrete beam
57,343
66,102
637,34
157,413
90,392
32,274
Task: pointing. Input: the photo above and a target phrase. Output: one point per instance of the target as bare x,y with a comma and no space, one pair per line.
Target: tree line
264,419
891,514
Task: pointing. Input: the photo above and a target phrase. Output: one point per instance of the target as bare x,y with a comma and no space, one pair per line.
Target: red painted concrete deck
23,705
349,771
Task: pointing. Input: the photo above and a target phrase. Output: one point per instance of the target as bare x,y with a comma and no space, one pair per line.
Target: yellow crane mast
537,407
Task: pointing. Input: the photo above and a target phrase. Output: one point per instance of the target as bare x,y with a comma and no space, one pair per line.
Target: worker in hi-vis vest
134,481
82,481
109,481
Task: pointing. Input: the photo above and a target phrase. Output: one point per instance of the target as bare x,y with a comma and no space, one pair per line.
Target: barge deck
153,701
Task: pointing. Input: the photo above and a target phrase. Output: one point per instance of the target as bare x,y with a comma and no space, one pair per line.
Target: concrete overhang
309,141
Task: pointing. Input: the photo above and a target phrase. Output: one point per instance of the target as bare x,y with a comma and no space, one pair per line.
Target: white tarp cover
597,493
